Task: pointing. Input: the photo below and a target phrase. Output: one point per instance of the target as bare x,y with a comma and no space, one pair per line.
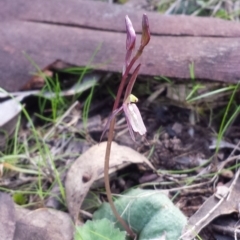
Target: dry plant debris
89,167
195,162
43,223
225,201
17,224
9,111
7,217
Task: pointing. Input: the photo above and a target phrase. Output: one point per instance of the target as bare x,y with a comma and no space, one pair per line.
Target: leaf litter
9,112
175,148
7,217
189,168
89,167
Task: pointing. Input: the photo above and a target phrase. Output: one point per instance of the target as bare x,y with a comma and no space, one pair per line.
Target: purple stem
131,82
111,129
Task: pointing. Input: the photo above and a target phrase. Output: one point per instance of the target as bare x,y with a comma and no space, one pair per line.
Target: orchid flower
130,109
132,114
133,117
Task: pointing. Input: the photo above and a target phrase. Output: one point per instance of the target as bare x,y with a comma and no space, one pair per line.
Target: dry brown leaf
9,111
90,167
212,208
43,224
17,223
7,217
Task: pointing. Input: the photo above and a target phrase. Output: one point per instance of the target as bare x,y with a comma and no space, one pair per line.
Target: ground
192,138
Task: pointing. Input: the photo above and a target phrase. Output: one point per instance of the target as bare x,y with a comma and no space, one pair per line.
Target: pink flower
131,35
133,117
130,109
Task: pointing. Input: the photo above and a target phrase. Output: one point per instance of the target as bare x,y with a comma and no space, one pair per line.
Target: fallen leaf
7,217
87,82
43,224
212,208
90,166
9,111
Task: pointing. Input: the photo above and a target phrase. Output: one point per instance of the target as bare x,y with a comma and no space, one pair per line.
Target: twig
47,135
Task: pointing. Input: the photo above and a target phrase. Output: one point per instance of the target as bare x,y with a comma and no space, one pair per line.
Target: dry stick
109,143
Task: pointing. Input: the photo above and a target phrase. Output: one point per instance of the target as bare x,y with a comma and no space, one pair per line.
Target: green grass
228,10
20,156
38,147
202,99
193,99
32,154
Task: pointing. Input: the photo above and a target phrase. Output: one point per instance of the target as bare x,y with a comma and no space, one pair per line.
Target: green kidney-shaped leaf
99,230
149,213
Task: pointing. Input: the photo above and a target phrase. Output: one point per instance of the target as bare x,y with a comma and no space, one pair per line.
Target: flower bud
145,31
131,35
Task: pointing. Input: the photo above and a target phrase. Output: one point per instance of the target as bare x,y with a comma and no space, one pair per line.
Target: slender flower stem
107,182
109,144
130,45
